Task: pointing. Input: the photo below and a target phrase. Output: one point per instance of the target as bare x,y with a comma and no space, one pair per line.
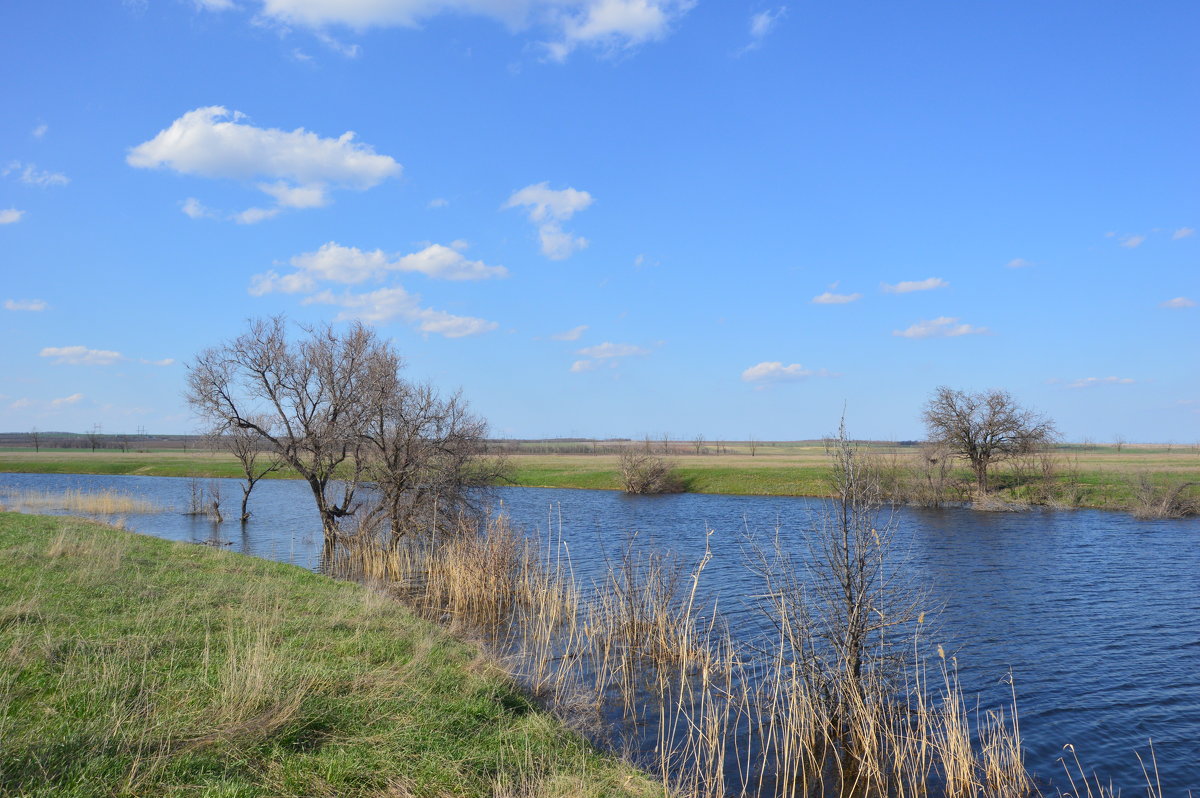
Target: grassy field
1089,476
132,666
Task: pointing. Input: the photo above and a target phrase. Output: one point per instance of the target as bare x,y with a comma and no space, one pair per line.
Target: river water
1095,614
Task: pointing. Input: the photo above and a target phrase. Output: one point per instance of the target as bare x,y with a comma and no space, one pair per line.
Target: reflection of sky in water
1096,614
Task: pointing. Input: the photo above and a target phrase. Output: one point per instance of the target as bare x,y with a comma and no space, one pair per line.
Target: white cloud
439,202
30,175
548,208
572,334
1178,303
614,25
775,371
196,210
166,361
1088,382
1183,232
378,307
941,327
25,304
607,350
299,166
335,263
21,404
66,400
908,286
761,24
1132,241
39,131
830,298
1019,263
11,216
81,356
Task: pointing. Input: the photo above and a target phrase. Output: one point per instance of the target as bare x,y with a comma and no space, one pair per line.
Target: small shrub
644,473
1170,501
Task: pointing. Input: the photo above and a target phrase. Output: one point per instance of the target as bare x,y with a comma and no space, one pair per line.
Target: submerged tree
247,446
327,406
985,427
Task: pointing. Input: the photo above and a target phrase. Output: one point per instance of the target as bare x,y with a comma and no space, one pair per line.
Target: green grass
132,666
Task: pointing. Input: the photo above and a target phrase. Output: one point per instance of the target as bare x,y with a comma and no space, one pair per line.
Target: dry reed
108,502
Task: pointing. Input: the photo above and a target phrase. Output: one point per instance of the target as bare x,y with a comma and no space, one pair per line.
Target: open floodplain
1093,615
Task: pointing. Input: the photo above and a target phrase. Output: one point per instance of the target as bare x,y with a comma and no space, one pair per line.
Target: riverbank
136,666
1101,477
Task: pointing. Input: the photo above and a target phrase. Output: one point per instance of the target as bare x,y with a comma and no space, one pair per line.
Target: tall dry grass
107,502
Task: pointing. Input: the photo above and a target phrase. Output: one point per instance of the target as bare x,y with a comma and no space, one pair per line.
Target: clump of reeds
107,502
1165,501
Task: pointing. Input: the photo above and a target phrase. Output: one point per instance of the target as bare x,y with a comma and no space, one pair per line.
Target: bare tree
35,438
984,427
753,444
93,437
1119,442
246,445
303,399
698,443
426,455
645,473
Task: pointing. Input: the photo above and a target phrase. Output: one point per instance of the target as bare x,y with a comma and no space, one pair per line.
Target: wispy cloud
1019,263
761,25
1089,382
771,371
572,334
439,202
81,356
295,168
1183,232
548,209
908,286
1179,303
30,175
606,352
1132,241
39,131
66,401
941,327
25,304
830,298
10,216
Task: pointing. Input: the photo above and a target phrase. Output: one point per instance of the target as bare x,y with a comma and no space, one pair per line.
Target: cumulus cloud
335,263
386,304
830,298
1183,232
1178,303
572,334
295,168
30,175
25,304
941,327
775,371
1019,263
908,286
10,216
81,356
548,209
1088,382
615,25
606,352
66,401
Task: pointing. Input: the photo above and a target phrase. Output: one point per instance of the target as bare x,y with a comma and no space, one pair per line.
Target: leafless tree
1118,442
698,443
35,438
304,400
984,427
426,456
246,445
334,408
753,443
93,437
646,473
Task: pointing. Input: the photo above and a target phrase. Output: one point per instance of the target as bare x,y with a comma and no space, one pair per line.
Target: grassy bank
1081,476
135,666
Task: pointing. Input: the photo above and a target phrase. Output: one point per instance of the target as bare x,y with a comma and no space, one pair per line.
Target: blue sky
612,217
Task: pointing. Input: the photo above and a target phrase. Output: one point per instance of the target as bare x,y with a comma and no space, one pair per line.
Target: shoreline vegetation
1143,479
138,666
